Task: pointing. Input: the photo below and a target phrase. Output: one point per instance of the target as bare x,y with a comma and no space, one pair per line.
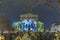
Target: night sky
13,8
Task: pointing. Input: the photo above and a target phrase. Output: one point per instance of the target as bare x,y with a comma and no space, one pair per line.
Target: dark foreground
30,36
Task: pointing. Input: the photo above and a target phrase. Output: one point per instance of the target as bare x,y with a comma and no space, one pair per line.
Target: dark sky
13,8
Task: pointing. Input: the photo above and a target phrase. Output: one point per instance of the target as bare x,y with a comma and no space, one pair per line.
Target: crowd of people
31,36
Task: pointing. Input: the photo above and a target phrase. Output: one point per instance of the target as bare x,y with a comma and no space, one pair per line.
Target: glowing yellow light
58,1
0,2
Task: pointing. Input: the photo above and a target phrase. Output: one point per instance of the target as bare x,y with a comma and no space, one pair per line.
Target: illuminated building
59,2
17,26
28,15
55,27
40,26
4,23
28,22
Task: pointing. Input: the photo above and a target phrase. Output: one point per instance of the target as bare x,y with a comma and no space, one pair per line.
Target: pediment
28,14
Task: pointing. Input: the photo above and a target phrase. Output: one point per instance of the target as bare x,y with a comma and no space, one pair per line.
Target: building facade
28,16
55,27
4,23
